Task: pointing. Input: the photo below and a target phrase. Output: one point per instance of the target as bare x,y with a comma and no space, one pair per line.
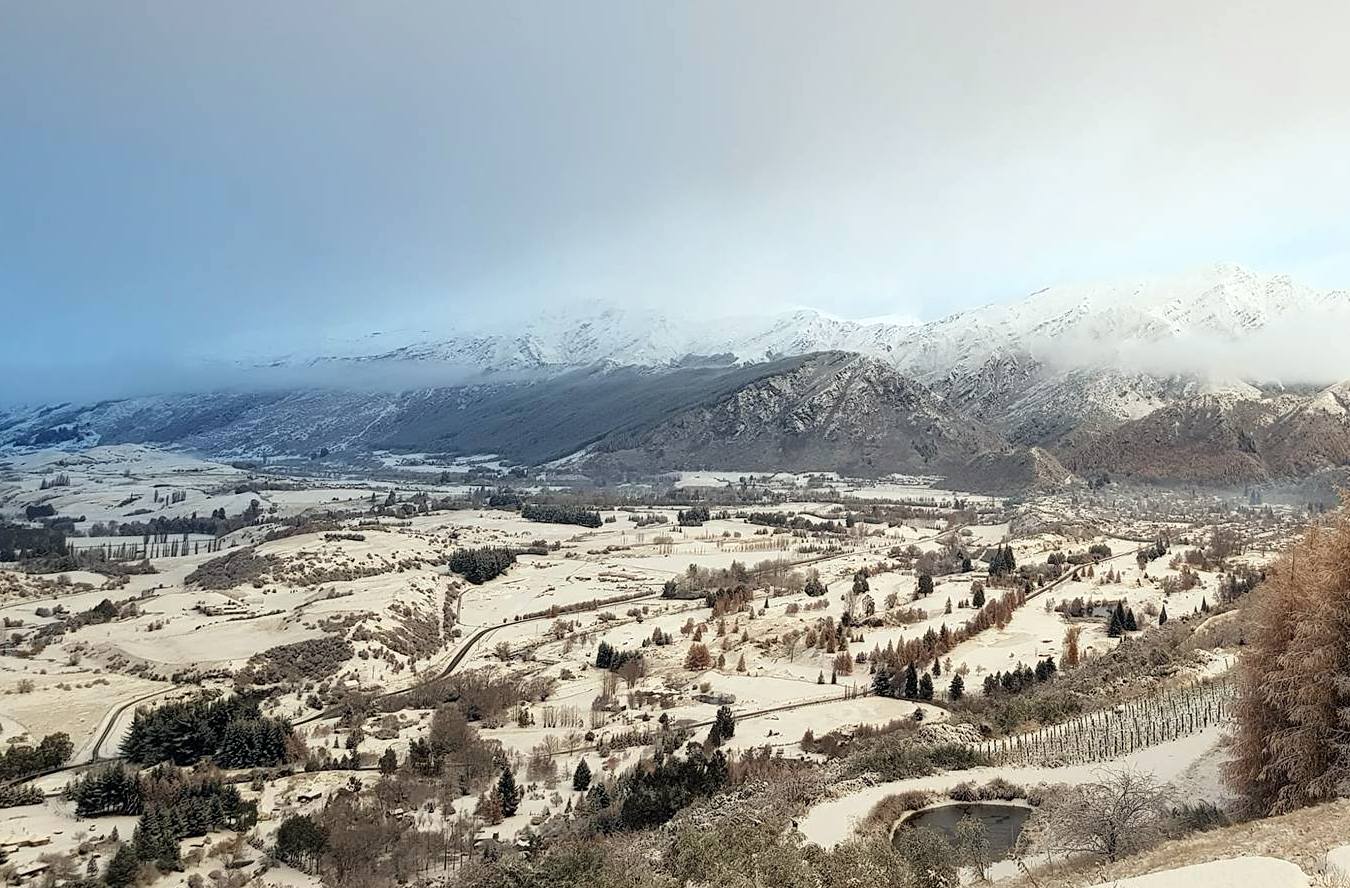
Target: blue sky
184,179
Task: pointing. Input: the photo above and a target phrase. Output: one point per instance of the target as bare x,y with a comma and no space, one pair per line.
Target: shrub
234,568
999,789
964,792
314,658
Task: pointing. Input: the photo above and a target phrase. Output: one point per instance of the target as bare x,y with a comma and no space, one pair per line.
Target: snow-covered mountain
1220,376
1136,326
1060,360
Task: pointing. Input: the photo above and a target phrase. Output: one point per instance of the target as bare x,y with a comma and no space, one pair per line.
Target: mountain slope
831,411
854,413
1058,361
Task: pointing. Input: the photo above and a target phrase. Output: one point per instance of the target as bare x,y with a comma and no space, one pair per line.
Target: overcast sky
181,177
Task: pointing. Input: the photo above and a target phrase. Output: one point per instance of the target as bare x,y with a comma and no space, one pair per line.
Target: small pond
1003,822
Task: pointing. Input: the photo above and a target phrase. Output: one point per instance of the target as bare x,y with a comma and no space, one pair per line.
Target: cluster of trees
218,524
793,522
697,581
300,841
694,516
18,542
1019,678
553,513
935,644
728,601
1001,561
504,498
609,657
113,789
1122,620
483,563
731,851
907,684
177,806
655,791
232,731
1155,550
454,752
24,760
173,804
1242,580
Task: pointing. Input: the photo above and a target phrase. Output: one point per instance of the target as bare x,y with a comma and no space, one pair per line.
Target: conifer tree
881,682
926,687
911,682
1116,626
581,777
726,722
957,688
508,792
598,796
122,868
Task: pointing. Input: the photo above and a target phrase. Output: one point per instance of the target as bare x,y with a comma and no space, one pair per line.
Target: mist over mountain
1222,323
1220,376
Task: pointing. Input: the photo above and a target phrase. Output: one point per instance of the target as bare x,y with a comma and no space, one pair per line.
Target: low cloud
1299,350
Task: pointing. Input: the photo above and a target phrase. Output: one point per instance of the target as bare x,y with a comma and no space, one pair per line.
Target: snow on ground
1190,763
1267,872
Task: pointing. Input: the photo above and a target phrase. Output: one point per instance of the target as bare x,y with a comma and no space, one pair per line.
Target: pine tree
926,687
925,586
508,792
957,688
122,868
1116,627
977,595
911,682
726,722
598,797
581,777
881,682
388,761
1162,616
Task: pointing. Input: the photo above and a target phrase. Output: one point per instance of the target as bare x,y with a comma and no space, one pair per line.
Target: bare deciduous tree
1119,814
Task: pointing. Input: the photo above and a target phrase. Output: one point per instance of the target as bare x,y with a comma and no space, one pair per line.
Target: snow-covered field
377,582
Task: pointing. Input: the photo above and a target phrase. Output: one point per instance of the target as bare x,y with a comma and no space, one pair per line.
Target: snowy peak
1195,324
